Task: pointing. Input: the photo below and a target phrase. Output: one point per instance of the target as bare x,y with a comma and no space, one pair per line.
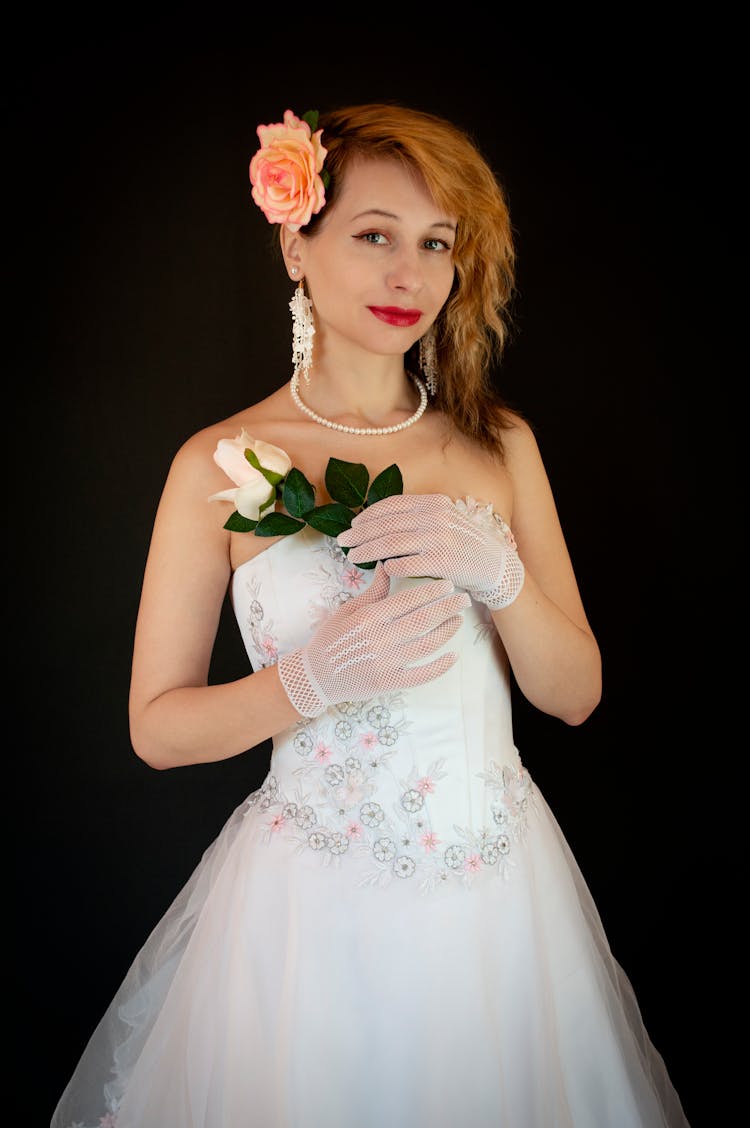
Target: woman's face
380,266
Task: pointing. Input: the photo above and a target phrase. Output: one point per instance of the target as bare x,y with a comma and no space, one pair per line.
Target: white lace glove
429,535
367,645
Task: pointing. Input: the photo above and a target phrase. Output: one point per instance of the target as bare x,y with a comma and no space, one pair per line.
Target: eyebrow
392,215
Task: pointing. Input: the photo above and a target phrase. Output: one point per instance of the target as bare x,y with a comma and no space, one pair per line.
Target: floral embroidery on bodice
423,785
339,815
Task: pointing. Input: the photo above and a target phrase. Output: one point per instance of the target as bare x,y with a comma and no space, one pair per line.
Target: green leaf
325,176
239,524
368,565
277,525
298,495
330,519
311,117
271,476
347,482
387,483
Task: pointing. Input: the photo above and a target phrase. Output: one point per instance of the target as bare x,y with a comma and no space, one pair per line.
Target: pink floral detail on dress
368,740
322,752
354,830
261,628
354,791
473,863
430,841
426,785
277,823
108,1121
353,578
333,579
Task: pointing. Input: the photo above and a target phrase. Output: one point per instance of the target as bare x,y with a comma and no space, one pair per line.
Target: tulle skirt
278,992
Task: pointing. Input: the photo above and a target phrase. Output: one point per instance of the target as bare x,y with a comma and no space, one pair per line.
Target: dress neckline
469,506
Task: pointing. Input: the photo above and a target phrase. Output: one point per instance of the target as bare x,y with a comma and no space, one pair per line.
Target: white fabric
390,933
368,645
430,535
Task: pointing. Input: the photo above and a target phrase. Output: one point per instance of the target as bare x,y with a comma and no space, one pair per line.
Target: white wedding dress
390,933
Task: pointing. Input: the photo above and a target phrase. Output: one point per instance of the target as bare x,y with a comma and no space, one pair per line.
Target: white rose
255,467
273,462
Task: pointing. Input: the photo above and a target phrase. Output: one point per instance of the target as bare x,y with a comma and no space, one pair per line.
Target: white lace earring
303,330
428,359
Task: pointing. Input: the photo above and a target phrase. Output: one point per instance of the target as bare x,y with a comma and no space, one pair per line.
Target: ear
292,246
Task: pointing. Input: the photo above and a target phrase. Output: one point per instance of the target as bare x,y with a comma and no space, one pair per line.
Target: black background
150,305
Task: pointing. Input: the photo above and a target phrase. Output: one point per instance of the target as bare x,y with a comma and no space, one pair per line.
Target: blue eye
371,237
436,245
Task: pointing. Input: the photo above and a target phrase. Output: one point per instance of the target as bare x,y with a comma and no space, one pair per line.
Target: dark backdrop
151,305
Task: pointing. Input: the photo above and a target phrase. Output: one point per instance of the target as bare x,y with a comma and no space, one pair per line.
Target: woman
392,930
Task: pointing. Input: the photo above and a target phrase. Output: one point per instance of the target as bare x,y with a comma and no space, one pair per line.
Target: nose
405,273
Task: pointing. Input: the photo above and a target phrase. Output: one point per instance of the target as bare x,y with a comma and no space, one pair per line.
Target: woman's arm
552,650
176,718
550,645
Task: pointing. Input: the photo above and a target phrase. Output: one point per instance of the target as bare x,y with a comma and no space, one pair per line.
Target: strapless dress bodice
423,782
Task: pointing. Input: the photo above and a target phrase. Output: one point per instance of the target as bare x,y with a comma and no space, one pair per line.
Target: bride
392,930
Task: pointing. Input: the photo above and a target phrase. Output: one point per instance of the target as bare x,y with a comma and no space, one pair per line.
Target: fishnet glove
365,647
429,535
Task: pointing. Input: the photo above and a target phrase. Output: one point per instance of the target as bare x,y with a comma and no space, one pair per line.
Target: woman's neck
375,394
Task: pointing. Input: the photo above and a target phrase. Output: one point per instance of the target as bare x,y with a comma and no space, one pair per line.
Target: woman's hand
368,645
427,535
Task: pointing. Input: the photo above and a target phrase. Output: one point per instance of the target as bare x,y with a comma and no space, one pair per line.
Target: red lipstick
394,315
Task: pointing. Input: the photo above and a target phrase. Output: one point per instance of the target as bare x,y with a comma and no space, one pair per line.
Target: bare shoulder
535,519
194,458
519,441
522,457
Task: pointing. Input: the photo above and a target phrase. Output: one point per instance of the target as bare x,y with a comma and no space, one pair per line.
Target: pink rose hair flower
287,171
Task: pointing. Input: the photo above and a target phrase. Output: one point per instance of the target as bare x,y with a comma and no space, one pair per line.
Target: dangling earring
303,328
428,359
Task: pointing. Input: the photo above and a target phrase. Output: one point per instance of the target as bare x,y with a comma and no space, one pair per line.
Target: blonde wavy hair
472,328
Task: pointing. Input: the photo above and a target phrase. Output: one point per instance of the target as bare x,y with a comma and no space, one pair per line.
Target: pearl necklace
294,388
